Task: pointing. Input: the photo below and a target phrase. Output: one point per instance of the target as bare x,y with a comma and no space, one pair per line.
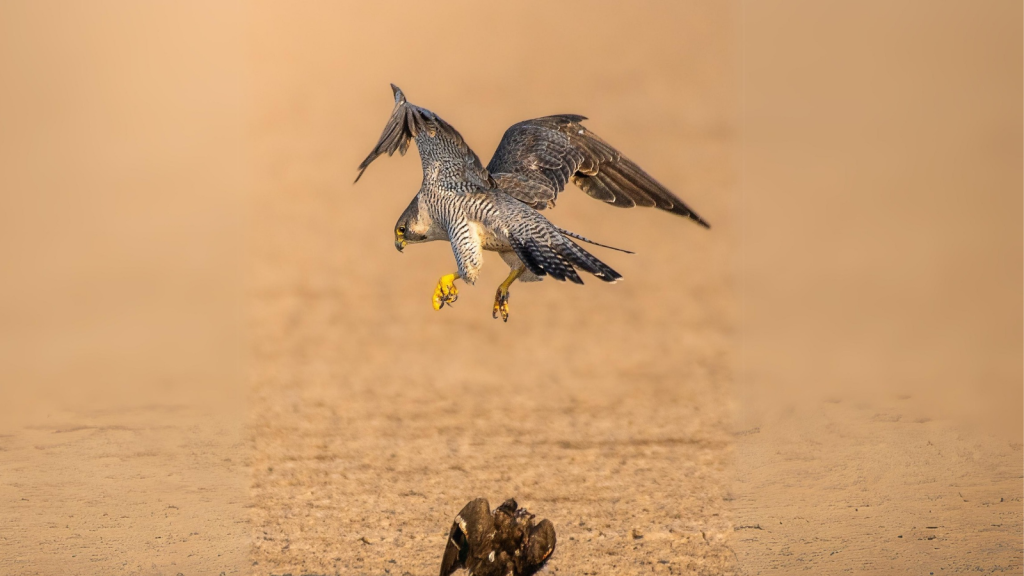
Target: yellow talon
501,304
446,292
501,296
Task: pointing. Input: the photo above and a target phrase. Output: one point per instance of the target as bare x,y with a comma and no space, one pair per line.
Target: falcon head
413,226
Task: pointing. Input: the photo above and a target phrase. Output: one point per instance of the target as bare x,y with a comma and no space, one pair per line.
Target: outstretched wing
443,152
536,159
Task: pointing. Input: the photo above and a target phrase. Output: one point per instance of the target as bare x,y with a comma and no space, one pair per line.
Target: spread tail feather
560,259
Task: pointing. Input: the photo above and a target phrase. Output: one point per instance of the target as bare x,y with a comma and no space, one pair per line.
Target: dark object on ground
500,543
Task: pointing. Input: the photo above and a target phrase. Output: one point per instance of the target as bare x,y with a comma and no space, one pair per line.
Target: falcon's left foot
501,303
446,292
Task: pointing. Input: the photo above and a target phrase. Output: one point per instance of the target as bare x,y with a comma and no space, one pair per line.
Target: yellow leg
446,292
501,297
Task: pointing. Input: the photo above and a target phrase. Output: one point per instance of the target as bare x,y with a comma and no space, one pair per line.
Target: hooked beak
399,242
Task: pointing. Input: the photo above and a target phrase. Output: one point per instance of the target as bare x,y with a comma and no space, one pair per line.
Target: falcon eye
401,229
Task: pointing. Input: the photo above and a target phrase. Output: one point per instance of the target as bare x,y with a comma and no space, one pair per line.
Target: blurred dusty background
121,447
880,374
828,380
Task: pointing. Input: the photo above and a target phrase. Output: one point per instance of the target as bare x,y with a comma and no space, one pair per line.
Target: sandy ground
875,488
147,490
749,400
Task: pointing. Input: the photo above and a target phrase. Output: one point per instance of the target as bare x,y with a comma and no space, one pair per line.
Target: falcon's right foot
446,292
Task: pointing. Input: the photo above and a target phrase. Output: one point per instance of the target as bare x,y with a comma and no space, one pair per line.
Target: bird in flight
497,208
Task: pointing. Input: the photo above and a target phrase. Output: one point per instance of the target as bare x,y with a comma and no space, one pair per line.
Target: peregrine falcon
497,208
505,542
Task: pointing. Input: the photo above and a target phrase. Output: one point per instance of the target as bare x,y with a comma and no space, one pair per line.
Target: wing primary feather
621,184
397,133
619,196
594,188
408,122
